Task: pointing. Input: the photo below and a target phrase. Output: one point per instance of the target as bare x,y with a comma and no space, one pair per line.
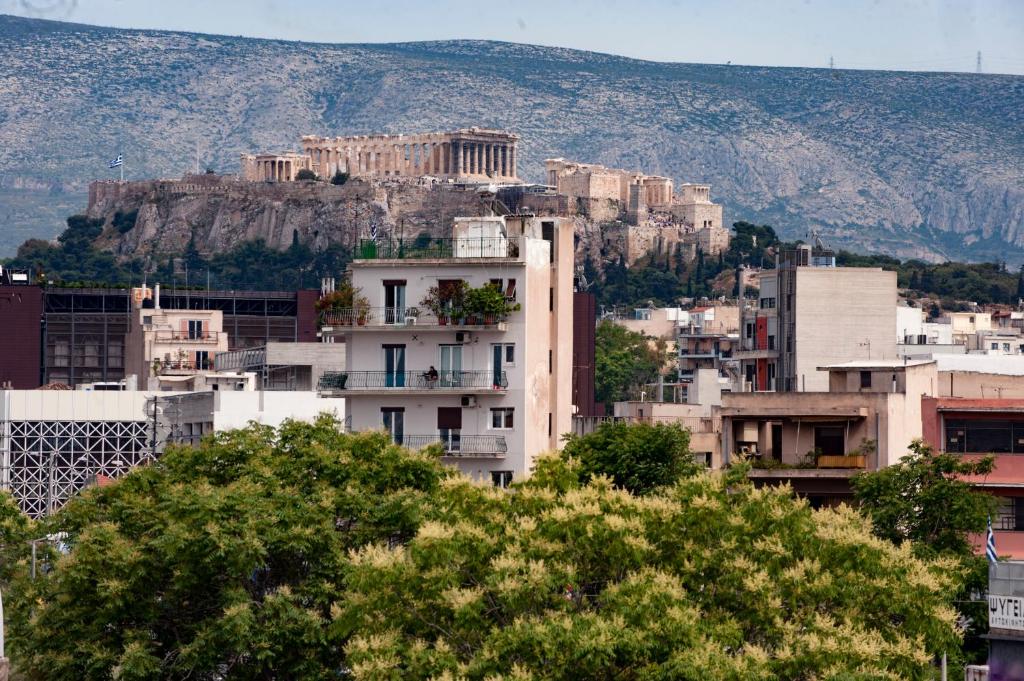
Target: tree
222,561
710,578
624,360
639,457
924,499
306,174
925,502
339,178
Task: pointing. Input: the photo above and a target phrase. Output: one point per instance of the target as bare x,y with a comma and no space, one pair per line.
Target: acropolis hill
404,185
909,164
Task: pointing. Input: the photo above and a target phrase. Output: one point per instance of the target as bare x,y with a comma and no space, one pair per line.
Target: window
501,479
203,360
771,342
642,314
393,420
995,346
985,436
551,361
865,380
1010,514
767,303
195,329
789,301
501,418
550,424
830,440
147,320
1006,347
970,320
551,299
749,330
510,289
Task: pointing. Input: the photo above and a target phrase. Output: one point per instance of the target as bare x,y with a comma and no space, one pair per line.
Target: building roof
876,364
1007,365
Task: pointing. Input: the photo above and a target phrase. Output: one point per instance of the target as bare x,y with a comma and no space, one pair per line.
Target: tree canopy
305,552
639,457
624,360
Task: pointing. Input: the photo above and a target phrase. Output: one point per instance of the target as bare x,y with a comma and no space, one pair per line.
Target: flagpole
122,166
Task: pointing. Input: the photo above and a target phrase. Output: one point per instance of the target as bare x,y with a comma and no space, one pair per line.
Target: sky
919,35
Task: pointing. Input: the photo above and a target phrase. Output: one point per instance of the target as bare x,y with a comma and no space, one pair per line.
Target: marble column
512,165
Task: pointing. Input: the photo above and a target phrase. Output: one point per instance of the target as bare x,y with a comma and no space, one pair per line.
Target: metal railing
379,317
186,337
460,445
582,425
414,380
405,249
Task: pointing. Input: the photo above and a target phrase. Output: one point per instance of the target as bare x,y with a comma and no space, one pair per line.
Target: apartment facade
809,314
493,392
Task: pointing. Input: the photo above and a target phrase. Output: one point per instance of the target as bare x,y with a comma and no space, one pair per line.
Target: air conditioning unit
461,336
468,400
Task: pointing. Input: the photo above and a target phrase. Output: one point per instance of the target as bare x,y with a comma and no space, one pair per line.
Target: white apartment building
810,314
493,391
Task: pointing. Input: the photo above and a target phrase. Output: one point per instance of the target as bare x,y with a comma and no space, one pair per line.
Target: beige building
493,392
169,349
811,313
967,324
593,181
283,167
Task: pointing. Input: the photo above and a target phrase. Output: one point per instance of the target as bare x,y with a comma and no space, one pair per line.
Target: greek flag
990,544
119,161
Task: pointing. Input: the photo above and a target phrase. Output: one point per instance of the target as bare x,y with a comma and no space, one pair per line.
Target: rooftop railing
378,317
461,445
412,380
428,249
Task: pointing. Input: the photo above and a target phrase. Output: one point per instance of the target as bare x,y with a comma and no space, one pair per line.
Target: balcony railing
390,317
164,366
582,425
412,380
420,249
186,337
461,445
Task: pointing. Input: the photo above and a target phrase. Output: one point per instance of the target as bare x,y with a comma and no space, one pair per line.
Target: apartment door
394,301
394,366
451,366
502,356
393,420
777,441
449,428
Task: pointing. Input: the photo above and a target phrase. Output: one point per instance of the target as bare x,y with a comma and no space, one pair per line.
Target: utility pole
977,65
832,62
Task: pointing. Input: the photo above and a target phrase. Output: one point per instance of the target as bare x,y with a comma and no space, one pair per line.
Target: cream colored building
811,313
169,349
594,181
966,324
494,393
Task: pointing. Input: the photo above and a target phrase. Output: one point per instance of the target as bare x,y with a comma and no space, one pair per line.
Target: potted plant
446,301
344,304
360,309
488,304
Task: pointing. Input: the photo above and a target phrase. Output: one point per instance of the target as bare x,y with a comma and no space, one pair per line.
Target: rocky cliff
911,164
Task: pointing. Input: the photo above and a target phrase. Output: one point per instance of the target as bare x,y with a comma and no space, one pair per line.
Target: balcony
184,337
412,382
842,461
180,366
353,320
503,248
464,446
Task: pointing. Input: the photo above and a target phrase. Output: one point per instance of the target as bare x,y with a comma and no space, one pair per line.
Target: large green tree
624,361
710,578
220,562
923,502
638,457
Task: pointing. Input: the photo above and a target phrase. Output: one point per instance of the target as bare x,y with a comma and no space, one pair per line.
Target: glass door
393,419
449,428
394,302
451,366
394,366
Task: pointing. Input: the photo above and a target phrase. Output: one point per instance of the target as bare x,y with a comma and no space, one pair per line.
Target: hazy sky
942,35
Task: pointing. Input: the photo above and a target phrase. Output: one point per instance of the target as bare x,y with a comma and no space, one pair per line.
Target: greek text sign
1006,612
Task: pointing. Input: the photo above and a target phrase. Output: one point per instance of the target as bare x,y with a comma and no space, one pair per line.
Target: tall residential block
493,390
809,314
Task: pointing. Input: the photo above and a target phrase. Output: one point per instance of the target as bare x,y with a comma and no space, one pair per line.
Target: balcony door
449,428
393,420
451,366
394,301
394,366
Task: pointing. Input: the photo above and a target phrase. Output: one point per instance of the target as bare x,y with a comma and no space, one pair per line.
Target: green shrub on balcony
488,304
346,298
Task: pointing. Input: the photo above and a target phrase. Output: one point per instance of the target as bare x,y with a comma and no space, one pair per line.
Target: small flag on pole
117,162
990,544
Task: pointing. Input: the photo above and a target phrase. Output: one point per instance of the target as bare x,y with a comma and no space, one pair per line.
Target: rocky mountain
911,164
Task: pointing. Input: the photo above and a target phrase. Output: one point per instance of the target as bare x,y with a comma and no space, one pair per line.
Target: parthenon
467,154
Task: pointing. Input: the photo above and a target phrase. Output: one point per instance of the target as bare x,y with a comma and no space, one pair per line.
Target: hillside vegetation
916,165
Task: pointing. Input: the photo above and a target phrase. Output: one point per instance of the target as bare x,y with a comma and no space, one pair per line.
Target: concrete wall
842,314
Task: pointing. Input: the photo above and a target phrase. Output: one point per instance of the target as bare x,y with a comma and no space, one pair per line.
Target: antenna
832,62
977,65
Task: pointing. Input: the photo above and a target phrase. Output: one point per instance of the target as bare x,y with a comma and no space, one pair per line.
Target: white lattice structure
54,443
